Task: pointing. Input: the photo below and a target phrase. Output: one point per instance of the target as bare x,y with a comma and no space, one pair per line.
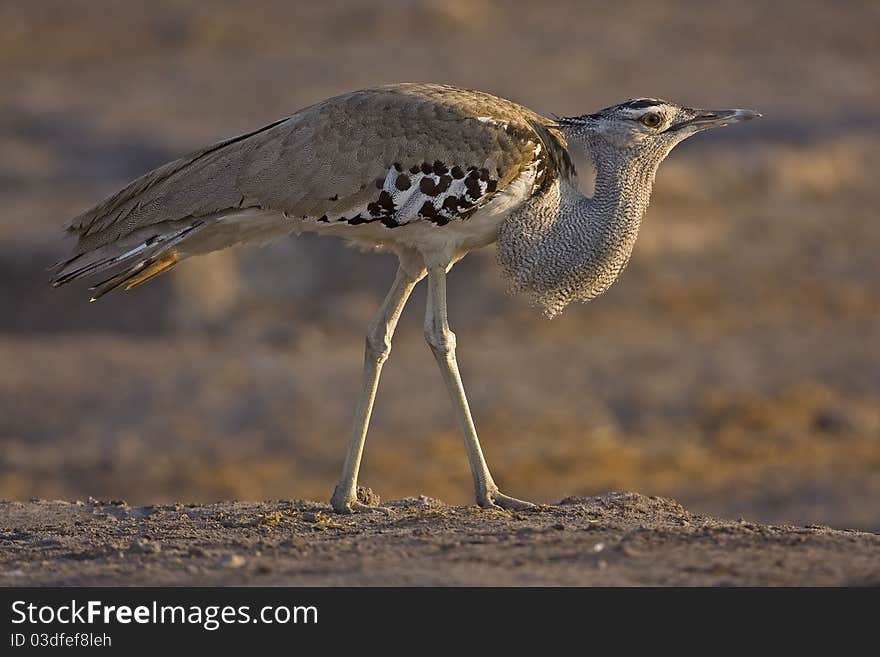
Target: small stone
559,526
144,546
270,520
833,421
421,502
598,547
232,561
630,552
367,496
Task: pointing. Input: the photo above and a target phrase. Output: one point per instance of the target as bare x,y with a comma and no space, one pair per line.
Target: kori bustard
425,171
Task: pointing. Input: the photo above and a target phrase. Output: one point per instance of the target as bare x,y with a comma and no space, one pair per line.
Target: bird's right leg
377,350
442,342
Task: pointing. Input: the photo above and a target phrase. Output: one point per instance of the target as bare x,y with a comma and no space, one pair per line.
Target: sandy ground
614,539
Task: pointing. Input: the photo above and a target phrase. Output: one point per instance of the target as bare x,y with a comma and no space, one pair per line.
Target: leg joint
441,341
378,345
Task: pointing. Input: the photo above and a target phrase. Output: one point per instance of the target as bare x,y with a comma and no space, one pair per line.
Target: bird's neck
568,247
622,192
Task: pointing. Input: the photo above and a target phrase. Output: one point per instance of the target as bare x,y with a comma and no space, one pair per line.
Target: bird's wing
392,154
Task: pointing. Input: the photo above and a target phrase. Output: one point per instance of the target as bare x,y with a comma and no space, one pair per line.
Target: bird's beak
716,118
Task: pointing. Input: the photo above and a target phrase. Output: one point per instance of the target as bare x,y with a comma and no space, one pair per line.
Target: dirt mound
613,539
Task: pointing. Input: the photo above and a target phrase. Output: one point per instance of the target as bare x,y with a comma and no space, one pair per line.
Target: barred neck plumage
564,246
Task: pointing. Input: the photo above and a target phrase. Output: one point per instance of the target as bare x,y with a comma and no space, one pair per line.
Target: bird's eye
651,120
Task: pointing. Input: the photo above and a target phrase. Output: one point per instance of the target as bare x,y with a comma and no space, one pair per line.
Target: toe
487,501
512,503
360,507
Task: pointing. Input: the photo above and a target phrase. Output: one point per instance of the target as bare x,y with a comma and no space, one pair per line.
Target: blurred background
735,365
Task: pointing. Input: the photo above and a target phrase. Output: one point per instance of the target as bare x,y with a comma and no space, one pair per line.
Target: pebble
144,546
367,496
232,561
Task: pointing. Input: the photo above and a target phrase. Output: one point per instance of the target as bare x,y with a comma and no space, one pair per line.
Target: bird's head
646,124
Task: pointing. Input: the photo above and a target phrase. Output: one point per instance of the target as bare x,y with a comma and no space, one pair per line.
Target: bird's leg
378,348
442,342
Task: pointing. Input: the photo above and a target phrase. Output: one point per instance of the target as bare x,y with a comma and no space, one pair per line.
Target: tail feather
97,266
135,275
159,267
158,247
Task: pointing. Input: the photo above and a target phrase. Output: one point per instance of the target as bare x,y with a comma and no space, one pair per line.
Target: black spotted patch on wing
472,184
436,191
450,204
429,211
382,209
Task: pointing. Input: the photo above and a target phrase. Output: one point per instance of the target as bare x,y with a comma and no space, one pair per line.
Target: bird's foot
498,500
359,507
348,503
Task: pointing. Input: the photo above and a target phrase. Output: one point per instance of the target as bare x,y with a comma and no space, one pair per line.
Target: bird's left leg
442,342
377,350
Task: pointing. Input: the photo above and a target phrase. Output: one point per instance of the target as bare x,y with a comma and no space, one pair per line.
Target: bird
427,172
